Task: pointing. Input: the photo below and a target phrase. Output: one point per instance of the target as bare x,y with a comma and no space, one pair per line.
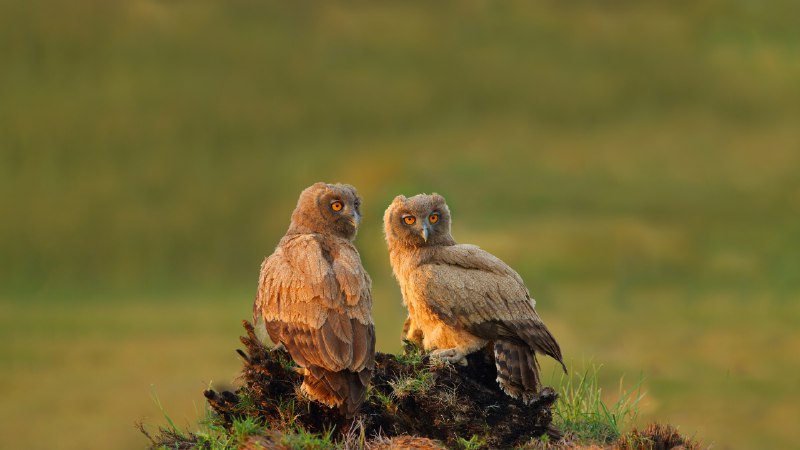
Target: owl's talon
451,355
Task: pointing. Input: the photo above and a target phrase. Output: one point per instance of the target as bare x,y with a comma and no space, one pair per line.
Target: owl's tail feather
517,370
344,389
539,338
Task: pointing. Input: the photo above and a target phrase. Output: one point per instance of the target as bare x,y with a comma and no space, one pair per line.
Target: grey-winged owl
461,298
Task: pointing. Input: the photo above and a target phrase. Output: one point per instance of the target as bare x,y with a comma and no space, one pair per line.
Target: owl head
420,221
328,209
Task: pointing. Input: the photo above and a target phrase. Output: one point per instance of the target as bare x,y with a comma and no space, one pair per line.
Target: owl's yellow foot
451,355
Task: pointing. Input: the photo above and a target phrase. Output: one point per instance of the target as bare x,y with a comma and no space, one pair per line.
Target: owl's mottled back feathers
314,297
461,297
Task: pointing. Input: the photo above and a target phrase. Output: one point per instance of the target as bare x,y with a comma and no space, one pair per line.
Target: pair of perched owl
314,297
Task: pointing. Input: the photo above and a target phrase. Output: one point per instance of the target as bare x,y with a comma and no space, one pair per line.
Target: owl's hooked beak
425,232
355,219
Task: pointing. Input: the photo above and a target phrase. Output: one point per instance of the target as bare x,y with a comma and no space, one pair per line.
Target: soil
440,406
459,402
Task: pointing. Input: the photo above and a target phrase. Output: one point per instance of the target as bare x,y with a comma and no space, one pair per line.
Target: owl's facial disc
421,227
344,211
420,221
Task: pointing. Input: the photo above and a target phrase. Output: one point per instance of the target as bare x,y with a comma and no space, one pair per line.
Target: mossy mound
413,402
410,395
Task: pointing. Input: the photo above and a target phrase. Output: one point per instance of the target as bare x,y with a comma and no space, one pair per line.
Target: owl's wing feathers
473,257
352,278
469,288
312,308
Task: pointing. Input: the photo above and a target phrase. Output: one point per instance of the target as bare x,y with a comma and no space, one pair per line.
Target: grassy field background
637,162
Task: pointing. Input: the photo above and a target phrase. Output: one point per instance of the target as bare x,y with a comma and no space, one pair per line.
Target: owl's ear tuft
437,198
399,198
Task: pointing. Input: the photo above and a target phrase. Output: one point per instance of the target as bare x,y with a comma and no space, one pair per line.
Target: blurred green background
637,162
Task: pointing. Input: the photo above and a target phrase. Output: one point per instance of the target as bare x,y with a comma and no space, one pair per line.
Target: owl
461,298
314,296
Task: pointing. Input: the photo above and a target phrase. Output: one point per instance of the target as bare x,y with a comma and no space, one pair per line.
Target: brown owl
315,298
461,298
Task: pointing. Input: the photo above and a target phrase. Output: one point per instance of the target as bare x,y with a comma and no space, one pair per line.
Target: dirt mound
413,402
410,395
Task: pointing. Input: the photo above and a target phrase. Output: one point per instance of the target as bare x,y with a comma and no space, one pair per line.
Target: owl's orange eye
409,220
434,217
337,206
